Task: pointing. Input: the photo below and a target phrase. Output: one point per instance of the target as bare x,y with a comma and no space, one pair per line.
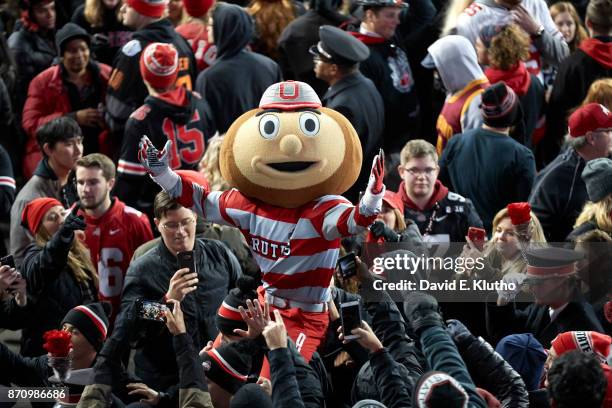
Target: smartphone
8,260
148,310
348,265
187,260
477,236
350,314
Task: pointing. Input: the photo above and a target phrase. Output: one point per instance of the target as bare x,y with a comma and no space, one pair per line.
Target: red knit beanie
159,65
149,8
35,211
197,8
585,341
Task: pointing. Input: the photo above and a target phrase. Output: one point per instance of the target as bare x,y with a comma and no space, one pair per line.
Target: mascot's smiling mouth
291,166
287,169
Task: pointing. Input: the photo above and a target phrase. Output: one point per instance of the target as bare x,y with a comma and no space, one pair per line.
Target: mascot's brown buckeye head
291,150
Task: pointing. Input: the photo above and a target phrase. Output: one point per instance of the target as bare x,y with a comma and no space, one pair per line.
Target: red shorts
306,329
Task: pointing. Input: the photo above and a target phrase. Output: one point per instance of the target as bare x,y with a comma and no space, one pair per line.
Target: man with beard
114,230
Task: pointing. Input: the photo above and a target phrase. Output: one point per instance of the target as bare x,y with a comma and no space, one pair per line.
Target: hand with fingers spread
154,161
150,396
367,339
275,332
174,318
255,317
375,184
181,284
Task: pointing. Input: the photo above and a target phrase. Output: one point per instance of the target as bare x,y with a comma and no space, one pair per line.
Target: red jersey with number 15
112,240
180,116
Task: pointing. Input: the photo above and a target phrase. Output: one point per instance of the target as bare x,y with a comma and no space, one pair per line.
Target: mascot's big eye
268,126
309,124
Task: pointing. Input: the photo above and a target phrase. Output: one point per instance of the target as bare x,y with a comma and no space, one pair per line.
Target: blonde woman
100,18
514,229
568,22
57,268
209,165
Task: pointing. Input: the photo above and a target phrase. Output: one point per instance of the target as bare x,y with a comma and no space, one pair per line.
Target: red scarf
598,50
517,77
367,39
440,191
176,96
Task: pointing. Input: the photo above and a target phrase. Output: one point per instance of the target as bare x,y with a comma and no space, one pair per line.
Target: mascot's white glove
157,163
371,203
511,278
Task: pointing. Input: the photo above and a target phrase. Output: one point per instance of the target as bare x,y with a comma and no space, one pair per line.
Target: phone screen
351,318
8,260
151,310
348,265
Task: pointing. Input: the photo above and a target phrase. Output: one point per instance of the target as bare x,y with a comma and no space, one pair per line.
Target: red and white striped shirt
295,248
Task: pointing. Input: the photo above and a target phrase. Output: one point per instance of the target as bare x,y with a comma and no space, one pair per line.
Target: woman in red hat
514,227
57,268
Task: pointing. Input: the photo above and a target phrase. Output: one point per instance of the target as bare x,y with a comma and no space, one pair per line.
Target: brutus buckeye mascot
288,160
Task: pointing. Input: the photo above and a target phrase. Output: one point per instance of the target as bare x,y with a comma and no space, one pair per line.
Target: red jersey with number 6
112,240
180,116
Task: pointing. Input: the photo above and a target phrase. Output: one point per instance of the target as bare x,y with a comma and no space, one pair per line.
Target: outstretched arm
344,219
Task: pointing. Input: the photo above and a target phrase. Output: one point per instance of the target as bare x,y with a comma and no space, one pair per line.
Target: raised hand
73,222
255,318
375,184
174,319
154,161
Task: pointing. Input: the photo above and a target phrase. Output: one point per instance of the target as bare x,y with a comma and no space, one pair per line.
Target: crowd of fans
493,114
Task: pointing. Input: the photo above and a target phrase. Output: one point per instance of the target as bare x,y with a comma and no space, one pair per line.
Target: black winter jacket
126,88
558,195
490,371
148,278
52,291
228,97
33,53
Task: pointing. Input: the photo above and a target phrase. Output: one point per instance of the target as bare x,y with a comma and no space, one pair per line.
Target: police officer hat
545,263
382,3
339,47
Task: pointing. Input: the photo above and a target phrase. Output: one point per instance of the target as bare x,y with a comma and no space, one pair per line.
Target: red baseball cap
394,200
589,118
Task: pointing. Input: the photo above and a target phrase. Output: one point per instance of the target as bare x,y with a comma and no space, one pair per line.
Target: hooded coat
126,88
590,62
223,84
464,80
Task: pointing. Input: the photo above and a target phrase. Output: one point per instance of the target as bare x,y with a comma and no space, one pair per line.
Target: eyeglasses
174,226
415,171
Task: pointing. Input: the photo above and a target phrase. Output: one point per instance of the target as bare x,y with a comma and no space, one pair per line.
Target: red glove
375,184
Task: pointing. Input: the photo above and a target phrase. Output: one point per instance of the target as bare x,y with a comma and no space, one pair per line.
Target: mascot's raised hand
157,163
375,183
154,161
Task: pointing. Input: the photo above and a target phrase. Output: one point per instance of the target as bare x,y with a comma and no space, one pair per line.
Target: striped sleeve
342,219
8,182
131,168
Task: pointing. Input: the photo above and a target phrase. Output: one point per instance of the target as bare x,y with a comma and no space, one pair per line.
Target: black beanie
228,317
251,395
500,106
229,365
436,389
92,322
68,32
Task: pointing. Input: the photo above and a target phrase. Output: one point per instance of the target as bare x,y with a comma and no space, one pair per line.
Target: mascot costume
288,160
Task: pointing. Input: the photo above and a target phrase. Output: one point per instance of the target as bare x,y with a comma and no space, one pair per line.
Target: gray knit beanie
597,176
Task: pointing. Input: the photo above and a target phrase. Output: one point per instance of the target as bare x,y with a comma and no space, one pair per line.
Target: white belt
283,303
